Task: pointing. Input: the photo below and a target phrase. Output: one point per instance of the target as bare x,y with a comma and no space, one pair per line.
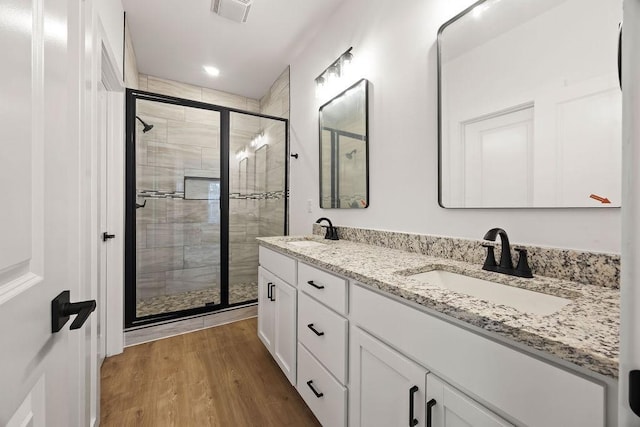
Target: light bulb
346,62
333,73
212,71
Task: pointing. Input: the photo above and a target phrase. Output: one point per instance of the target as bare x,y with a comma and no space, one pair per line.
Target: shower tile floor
238,292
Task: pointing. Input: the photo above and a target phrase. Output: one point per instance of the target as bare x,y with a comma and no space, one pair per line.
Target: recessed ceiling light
212,71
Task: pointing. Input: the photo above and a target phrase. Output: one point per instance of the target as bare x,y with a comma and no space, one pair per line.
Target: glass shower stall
202,182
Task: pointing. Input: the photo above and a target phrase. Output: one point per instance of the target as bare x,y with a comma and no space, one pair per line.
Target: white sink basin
521,299
305,243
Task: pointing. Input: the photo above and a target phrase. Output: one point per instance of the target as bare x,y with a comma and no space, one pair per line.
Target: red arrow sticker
600,199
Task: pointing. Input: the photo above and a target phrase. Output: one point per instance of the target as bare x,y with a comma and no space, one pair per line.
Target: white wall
130,61
394,46
112,16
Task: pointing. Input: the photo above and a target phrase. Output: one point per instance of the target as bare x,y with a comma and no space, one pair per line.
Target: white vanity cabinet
266,308
525,389
277,311
386,388
322,344
363,358
449,407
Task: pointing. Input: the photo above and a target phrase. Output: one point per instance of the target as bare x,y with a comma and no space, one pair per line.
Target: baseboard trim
183,326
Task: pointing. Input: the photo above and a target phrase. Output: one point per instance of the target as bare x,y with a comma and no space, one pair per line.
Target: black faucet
506,263
332,233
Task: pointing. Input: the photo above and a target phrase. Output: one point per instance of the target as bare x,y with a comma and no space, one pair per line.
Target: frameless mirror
529,105
344,178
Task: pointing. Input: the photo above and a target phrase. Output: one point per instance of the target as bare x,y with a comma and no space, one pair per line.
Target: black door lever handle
106,236
62,309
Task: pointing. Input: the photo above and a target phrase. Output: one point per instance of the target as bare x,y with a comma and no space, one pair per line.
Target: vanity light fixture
212,71
242,154
334,71
345,61
259,141
320,85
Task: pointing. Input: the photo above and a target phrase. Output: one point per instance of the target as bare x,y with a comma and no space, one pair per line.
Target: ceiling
489,20
174,39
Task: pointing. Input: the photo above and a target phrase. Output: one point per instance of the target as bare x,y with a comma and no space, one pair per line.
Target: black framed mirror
529,105
344,149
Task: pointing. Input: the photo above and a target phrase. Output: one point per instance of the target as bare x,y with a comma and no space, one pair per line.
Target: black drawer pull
430,404
310,384
315,331
314,285
412,420
270,288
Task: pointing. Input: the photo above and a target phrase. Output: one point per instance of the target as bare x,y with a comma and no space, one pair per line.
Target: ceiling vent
235,10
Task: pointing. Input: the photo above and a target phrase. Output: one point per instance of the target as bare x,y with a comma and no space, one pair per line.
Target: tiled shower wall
275,103
178,240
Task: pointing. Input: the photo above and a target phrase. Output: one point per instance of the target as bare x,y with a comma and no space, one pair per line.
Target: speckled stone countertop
584,332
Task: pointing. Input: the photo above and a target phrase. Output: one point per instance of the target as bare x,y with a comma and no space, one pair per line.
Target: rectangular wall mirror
530,106
344,157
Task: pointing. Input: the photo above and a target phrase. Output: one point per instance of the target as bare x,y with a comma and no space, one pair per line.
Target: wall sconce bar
335,69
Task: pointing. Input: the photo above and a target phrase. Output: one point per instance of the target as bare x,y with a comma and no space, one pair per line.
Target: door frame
114,328
98,67
630,212
102,68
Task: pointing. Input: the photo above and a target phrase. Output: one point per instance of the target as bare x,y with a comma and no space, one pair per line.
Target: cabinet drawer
330,403
324,333
280,265
326,288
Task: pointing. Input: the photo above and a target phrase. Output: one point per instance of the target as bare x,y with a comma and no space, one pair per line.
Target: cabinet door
266,308
386,388
286,309
451,408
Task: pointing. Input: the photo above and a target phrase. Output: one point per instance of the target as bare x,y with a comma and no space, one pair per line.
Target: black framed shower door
202,181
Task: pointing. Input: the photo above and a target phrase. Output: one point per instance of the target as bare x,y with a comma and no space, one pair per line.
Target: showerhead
350,154
147,127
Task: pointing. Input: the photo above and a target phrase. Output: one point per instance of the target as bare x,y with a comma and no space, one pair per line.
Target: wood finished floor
222,376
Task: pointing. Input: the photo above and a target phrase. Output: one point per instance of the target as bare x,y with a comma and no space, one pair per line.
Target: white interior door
40,371
497,153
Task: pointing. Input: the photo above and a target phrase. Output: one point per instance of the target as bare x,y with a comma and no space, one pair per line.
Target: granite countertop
584,332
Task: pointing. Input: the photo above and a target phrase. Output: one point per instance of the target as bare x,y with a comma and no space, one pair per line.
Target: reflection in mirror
344,179
529,105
